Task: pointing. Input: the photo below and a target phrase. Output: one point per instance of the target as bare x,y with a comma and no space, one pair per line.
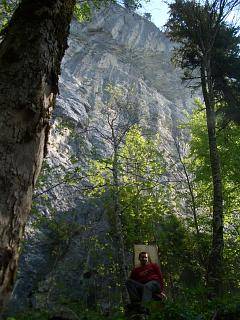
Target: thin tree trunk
190,188
30,58
118,224
214,278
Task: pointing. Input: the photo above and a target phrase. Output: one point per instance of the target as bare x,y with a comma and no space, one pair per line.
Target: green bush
191,305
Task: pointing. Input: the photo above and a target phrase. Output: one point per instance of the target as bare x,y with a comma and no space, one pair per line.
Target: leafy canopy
142,195
229,150
198,163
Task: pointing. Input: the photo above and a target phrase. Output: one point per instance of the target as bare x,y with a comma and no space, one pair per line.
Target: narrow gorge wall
120,48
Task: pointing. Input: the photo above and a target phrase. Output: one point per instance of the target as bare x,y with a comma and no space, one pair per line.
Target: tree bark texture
30,58
214,274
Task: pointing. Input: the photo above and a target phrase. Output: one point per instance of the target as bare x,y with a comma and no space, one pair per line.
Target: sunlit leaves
6,10
141,159
82,11
142,196
229,150
198,164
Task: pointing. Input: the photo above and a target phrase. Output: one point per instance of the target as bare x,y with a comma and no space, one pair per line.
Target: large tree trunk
30,58
214,274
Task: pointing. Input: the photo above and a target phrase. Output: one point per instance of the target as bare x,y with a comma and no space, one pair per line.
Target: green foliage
6,10
195,307
198,160
146,217
31,315
198,163
191,305
82,11
141,194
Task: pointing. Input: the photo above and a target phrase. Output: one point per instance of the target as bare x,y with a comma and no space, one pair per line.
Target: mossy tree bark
30,58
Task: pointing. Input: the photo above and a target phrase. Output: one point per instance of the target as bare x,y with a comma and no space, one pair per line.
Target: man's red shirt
149,272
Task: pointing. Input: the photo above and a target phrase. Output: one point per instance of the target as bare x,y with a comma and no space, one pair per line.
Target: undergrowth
192,309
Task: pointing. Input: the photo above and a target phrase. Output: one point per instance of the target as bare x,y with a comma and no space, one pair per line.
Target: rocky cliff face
119,48
122,48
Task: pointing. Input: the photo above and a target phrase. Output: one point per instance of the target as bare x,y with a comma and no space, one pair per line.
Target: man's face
143,258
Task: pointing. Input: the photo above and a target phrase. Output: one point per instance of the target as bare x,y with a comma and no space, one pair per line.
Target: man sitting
145,282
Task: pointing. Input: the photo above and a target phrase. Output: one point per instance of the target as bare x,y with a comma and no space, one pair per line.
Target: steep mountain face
118,48
122,48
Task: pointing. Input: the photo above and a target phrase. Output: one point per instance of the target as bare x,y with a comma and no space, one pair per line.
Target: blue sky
158,10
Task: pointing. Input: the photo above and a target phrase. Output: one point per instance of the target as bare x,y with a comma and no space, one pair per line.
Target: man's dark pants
140,293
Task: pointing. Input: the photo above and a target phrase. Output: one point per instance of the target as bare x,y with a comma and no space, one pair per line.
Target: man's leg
135,290
148,289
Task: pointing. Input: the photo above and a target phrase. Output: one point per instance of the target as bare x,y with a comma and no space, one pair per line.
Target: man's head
143,258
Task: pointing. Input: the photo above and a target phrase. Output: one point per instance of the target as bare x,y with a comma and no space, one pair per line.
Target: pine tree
209,56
